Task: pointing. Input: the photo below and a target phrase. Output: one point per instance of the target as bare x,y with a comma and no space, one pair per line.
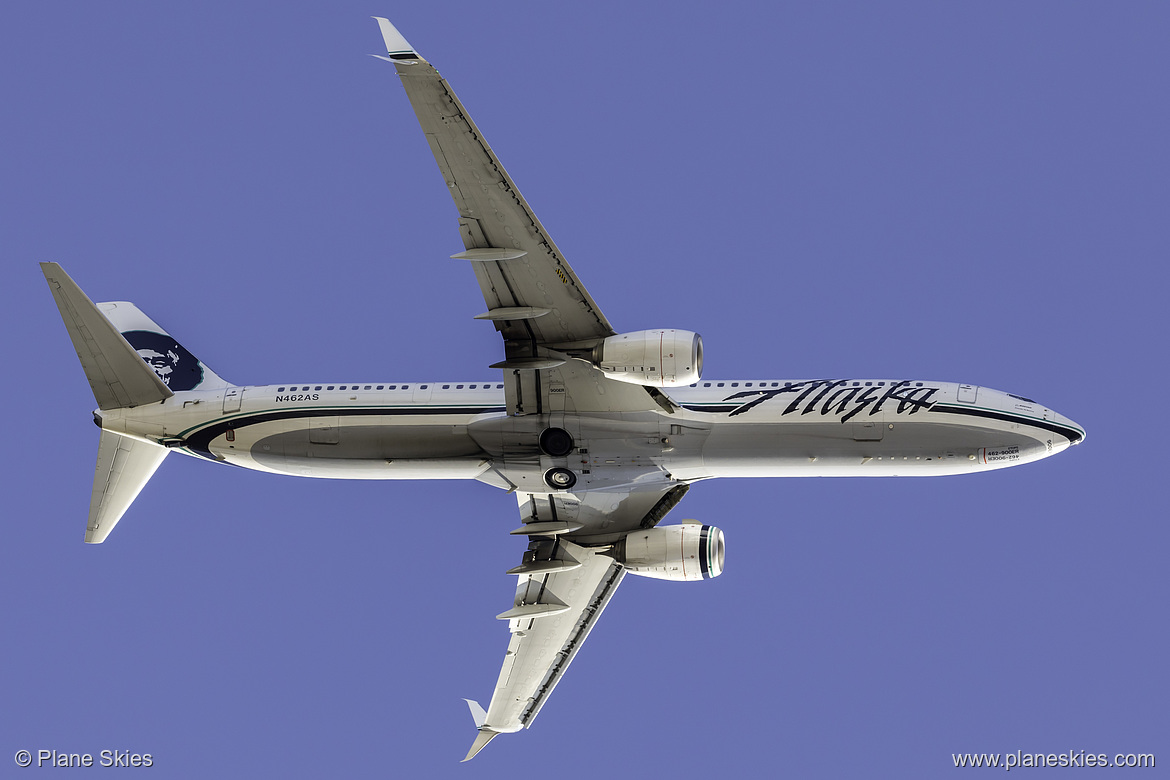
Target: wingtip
477,713
396,45
481,739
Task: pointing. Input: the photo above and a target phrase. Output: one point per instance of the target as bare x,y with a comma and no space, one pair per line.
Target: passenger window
446,387
720,385
280,389
329,388
458,387
706,384
318,387
380,387
367,387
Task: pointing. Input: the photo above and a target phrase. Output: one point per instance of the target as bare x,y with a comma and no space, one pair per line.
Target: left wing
559,597
561,590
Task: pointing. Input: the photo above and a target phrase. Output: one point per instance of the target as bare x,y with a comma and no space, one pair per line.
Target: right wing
520,271
533,297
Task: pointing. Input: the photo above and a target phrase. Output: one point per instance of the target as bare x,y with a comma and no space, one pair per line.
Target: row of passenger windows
788,384
294,388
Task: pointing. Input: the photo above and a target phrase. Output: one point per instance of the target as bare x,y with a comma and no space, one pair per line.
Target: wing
561,590
547,319
533,296
516,262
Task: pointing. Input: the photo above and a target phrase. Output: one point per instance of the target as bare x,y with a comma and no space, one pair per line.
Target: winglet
477,713
396,46
481,739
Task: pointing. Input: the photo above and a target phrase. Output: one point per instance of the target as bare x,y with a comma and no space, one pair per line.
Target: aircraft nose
1072,431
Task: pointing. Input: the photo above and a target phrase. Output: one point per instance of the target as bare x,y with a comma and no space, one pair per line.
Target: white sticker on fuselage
991,455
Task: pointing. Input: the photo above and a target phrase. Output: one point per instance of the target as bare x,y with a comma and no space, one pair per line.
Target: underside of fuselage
722,430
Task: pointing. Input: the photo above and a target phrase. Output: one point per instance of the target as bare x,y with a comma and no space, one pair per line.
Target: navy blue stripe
199,442
1072,434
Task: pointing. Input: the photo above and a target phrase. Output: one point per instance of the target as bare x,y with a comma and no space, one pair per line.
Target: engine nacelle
673,552
659,358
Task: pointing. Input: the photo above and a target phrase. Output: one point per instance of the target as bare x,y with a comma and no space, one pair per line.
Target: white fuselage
460,430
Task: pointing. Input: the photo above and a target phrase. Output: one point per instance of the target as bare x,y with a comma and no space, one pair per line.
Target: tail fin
124,466
128,359
175,366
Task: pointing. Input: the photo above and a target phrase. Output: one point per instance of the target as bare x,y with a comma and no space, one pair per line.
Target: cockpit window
1020,397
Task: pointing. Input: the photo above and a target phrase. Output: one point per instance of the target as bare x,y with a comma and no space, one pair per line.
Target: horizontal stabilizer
124,466
116,372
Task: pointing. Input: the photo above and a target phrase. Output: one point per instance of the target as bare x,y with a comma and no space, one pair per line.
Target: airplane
598,433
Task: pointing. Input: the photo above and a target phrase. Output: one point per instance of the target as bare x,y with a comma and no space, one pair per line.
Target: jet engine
659,358
673,552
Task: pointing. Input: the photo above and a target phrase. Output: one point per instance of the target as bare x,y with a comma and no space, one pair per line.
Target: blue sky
960,192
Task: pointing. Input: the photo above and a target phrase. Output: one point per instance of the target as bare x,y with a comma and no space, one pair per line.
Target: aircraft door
232,397
968,394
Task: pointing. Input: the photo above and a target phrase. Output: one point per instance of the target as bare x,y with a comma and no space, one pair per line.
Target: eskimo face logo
175,366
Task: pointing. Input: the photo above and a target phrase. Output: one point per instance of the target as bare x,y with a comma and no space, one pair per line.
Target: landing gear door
232,397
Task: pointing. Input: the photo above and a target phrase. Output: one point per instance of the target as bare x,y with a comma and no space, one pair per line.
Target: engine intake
660,358
673,552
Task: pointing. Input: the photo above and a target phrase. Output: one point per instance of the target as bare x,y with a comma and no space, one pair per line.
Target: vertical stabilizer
116,372
174,364
128,359
124,466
